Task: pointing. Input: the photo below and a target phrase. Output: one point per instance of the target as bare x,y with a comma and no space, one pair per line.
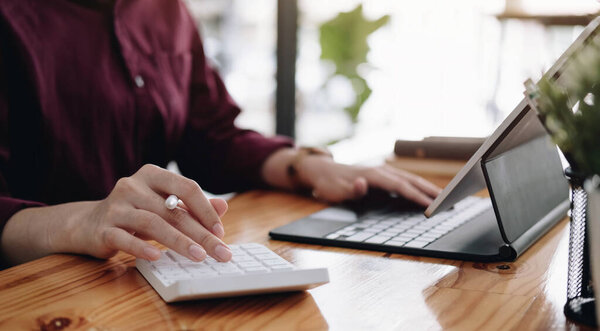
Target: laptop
518,165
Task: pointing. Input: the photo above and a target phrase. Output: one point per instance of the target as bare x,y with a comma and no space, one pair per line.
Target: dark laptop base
476,240
479,239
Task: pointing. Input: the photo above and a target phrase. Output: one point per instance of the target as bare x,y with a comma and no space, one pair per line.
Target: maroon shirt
91,90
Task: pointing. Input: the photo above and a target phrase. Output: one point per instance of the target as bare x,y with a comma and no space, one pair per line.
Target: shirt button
139,81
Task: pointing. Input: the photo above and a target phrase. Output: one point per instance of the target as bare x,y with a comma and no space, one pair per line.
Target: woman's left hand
334,182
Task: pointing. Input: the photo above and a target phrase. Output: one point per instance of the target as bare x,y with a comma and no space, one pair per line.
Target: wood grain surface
367,291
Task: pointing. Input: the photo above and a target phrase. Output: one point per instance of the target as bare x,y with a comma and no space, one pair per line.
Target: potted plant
569,106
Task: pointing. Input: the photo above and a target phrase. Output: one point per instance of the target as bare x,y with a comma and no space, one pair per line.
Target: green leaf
577,133
344,42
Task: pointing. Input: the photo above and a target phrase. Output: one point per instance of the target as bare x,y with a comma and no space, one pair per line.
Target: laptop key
406,236
347,233
396,219
371,230
395,243
388,222
410,221
421,227
417,244
380,226
390,233
400,227
377,239
428,237
414,231
438,231
368,222
361,236
333,236
445,227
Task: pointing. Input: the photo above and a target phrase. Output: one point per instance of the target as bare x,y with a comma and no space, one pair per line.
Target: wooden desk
368,290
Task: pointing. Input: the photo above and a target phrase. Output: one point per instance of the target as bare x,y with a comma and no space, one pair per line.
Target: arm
213,150
133,211
35,232
9,205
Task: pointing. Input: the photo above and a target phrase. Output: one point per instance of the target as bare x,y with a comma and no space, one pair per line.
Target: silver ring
171,202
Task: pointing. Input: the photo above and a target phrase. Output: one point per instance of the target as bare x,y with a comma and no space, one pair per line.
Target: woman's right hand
135,210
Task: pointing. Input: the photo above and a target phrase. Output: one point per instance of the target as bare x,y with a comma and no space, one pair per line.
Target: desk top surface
368,290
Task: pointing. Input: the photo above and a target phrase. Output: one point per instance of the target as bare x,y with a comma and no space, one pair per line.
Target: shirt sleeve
219,155
9,205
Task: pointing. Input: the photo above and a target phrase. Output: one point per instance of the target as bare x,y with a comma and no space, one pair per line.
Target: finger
360,187
339,191
410,192
426,186
116,238
183,222
151,225
220,206
165,182
421,183
399,185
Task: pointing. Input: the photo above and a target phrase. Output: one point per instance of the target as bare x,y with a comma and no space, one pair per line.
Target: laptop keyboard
411,229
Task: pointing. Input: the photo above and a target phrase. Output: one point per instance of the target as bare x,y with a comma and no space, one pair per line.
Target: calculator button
249,264
275,262
281,267
256,270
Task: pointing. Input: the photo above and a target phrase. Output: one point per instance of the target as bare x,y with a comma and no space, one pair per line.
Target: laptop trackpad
310,227
479,236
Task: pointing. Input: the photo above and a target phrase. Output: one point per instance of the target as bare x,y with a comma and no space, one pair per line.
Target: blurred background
370,72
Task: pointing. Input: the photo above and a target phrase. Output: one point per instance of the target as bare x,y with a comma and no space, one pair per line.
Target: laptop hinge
527,239
508,253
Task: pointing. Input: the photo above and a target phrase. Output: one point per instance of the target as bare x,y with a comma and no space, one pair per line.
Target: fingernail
223,253
218,230
197,252
151,253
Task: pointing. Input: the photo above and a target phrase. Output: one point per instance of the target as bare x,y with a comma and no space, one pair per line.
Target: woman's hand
136,208
336,182
134,211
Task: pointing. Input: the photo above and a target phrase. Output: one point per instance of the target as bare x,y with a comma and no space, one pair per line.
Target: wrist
303,167
65,232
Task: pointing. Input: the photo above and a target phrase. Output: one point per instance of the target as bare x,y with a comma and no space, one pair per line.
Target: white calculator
253,269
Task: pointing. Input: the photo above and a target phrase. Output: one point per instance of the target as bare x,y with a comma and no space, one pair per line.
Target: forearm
36,232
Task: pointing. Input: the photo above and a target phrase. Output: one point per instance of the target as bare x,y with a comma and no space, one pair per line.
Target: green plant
570,109
344,42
